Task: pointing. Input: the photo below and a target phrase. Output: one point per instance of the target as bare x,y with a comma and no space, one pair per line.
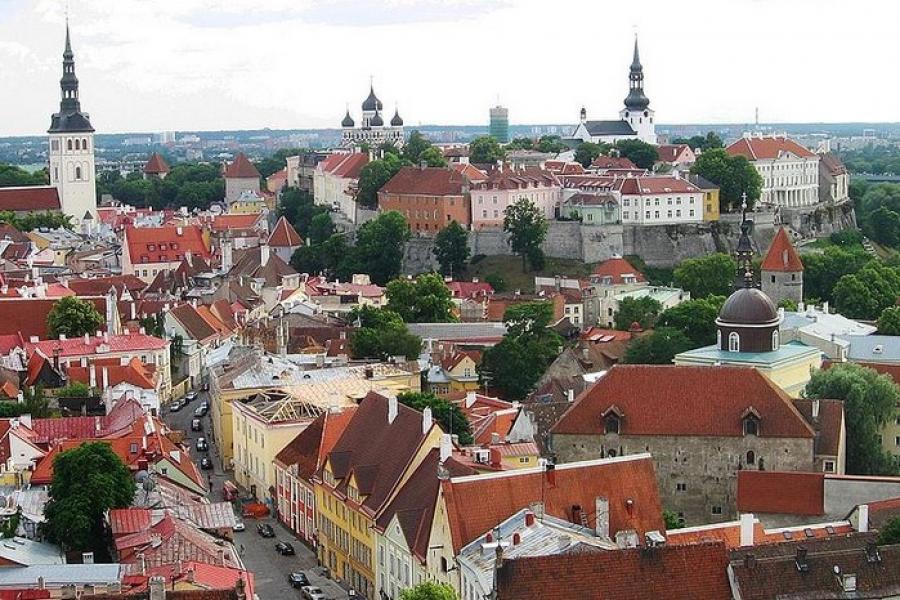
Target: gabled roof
671,152
29,198
156,165
793,493
130,342
600,128
470,289
476,504
235,221
425,181
782,256
194,324
829,424
656,184
28,316
164,244
617,268
670,572
284,235
98,286
471,171
248,262
309,449
135,373
768,148
613,162
241,168
347,166
832,163
669,400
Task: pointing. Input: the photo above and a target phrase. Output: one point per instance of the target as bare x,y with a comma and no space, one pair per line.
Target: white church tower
637,111
72,147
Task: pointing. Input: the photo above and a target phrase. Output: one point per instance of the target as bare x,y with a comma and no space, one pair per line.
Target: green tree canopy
864,294
711,275
374,175
73,317
642,310
657,348
551,143
451,248
822,271
521,143
703,142
870,400
449,415
320,228
890,533
429,591
527,229
332,258
733,174
415,145
889,321
87,481
694,318
433,157
34,220
425,299
13,176
496,281
883,226
298,208
586,152
381,334
642,154
380,244
484,150
75,389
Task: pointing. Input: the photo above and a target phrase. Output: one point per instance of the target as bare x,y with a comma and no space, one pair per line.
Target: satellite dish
141,475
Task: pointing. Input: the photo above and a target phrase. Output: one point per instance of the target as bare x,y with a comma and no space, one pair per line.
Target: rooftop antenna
757,118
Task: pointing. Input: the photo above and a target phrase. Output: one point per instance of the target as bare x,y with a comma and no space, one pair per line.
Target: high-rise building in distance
499,128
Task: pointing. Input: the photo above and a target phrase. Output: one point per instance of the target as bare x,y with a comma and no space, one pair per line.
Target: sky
160,65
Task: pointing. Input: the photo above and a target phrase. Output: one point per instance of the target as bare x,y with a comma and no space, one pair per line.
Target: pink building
504,186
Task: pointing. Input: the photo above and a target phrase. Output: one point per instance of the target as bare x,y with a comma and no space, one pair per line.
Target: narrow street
270,568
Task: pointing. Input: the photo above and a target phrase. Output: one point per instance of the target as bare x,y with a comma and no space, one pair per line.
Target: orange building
429,197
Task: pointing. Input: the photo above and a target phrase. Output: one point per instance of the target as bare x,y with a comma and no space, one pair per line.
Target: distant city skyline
197,65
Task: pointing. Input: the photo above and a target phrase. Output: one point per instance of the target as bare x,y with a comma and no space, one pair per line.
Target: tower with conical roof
72,146
637,111
781,271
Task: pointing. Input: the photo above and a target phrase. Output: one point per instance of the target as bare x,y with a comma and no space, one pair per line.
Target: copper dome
748,306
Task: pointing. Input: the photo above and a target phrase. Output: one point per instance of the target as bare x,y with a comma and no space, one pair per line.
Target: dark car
265,530
202,445
205,463
298,579
284,548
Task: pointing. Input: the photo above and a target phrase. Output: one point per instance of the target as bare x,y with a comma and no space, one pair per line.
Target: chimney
570,395
189,257
446,448
227,255
815,410
470,399
495,438
529,519
93,372
601,506
495,457
87,339
179,230
157,588
263,255
862,515
67,591
427,420
133,310
747,529
392,409
105,378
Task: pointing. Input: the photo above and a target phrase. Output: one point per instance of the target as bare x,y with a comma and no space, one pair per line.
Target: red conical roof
241,168
156,165
284,235
781,255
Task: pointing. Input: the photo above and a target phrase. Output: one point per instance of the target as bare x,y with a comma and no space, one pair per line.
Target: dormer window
751,423
611,424
151,247
328,477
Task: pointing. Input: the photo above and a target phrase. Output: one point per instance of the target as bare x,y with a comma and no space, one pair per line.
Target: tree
586,152
485,150
320,228
380,244
381,334
332,258
642,154
872,289
657,348
869,403
36,404
527,229
672,520
788,304
521,143
733,174
11,176
890,533
87,481
415,146
822,271
373,176
451,248
496,281
433,157
446,413
551,143
514,366
711,275
75,389
73,317
703,142
429,591
298,208
642,310
889,321
695,318
883,226
426,299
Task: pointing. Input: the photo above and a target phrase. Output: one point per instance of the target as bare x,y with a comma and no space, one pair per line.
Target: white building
789,171
659,200
72,147
372,129
335,180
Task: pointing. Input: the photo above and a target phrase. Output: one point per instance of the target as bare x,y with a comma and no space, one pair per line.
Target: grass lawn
510,268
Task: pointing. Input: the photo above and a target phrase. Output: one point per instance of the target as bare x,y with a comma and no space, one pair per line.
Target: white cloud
149,65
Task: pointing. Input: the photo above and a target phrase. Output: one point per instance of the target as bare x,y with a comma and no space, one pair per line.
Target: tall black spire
743,254
69,117
636,100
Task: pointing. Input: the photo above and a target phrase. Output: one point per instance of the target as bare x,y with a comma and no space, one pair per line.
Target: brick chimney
427,420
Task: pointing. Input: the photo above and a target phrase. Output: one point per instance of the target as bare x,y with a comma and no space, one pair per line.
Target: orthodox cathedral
372,129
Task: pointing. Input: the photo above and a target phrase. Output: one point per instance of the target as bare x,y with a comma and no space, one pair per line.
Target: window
775,340
611,424
773,279
680,487
78,144
734,342
751,457
717,510
54,145
751,425
69,143
828,467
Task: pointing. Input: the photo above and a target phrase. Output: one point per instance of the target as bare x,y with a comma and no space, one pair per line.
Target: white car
239,526
311,592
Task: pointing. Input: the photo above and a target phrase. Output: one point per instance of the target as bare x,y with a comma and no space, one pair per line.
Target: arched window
69,144
77,144
84,145
776,340
751,457
719,338
751,425
734,342
611,424
77,173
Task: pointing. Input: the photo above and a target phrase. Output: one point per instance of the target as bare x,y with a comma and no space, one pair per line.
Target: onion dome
348,120
377,121
636,100
748,306
372,102
396,121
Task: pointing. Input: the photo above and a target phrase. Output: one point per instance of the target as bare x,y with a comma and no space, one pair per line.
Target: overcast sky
154,65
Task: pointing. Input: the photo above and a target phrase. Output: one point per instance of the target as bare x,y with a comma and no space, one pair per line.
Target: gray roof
874,348
54,575
27,552
456,331
609,128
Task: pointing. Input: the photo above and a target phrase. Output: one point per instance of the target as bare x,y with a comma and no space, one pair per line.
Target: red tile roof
476,504
428,181
613,162
656,184
135,373
515,179
684,401
28,316
833,164
131,342
767,148
560,167
671,572
156,165
98,286
470,289
231,222
471,171
284,235
830,427
782,256
791,493
617,268
347,166
241,168
671,152
309,449
164,244
117,423
30,198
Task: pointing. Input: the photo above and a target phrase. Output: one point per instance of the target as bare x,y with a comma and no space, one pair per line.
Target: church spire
636,60
743,254
636,99
69,117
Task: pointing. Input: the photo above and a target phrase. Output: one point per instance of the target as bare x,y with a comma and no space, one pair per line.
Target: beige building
789,171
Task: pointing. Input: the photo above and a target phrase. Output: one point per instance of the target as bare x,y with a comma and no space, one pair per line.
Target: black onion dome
348,121
396,121
377,121
636,100
748,306
372,102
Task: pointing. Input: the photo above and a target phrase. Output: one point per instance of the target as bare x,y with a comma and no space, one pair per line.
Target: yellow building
459,373
711,207
380,449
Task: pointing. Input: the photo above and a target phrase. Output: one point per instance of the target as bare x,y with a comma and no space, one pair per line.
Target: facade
594,209
834,179
711,206
499,125
147,251
789,171
676,155
635,119
284,240
335,180
782,271
372,129
429,197
72,147
504,187
660,200
240,177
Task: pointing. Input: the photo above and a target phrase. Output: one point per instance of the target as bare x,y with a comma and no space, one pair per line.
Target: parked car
205,463
239,526
284,548
311,592
202,445
190,396
175,406
201,410
298,579
196,425
205,387
265,530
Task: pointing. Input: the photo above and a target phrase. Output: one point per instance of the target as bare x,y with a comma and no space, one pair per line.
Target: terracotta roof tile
28,316
616,268
671,152
613,162
156,165
98,286
164,244
782,256
30,198
241,168
830,425
428,181
284,235
309,449
792,493
237,221
767,148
